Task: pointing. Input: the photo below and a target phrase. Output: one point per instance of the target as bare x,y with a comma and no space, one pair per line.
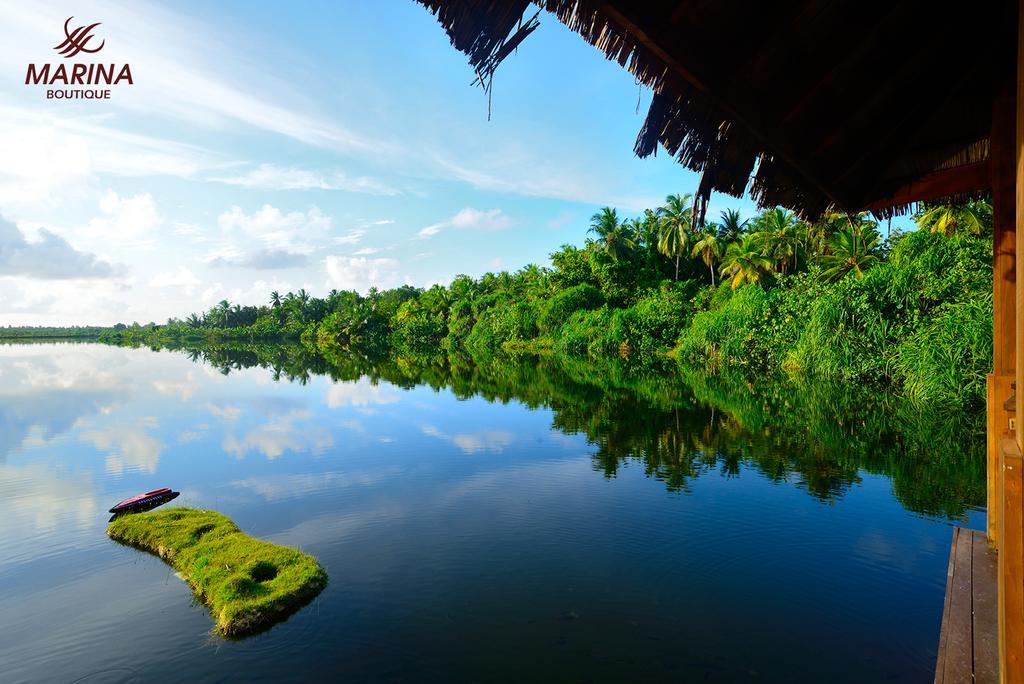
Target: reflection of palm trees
819,438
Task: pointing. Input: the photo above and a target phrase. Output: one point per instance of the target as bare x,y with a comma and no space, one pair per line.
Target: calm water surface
514,523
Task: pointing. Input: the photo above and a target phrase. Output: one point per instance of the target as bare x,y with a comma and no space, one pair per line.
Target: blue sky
315,145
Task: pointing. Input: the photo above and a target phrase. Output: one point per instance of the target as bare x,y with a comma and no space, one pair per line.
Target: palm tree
974,217
744,262
302,296
776,229
648,229
731,226
275,299
709,247
853,250
676,217
613,236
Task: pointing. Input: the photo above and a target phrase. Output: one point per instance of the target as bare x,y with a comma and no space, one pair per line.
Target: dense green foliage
830,300
249,584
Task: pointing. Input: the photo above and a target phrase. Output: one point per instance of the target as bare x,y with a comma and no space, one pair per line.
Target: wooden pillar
1002,168
1011,484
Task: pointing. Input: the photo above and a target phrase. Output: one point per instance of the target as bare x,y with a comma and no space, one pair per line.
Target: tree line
769,293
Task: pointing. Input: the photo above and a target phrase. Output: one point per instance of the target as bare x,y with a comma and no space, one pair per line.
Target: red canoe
157,497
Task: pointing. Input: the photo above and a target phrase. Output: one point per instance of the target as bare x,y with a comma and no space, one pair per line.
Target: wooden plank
959,641
1011,564
983,602
938,184
940,664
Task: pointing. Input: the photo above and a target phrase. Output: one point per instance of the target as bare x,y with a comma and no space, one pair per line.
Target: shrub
557,310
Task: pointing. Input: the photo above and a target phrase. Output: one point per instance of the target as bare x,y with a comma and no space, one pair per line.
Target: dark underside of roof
816,106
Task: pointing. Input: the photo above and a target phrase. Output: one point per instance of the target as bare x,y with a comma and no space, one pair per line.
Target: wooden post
1011,522
1002,167
1011,565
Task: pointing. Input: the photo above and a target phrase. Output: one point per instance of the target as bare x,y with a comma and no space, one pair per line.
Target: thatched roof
814,105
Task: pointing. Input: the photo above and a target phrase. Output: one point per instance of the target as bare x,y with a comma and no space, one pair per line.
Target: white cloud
49,157
261,259
128,220
25,301
211,293
272,177
181,278
366,251
227,412
536,174
351,237
360,273
48,256
470,219
259,291
294,231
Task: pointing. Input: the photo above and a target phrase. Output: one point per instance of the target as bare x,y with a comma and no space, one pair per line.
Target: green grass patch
247,583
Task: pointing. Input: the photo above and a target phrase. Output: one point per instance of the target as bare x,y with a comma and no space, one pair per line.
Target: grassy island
248,584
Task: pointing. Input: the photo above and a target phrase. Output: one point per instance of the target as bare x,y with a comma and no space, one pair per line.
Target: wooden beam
937,184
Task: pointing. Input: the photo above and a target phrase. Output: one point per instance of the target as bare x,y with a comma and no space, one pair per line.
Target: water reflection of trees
680,426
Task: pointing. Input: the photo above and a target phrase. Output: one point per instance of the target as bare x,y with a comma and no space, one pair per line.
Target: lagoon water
516,522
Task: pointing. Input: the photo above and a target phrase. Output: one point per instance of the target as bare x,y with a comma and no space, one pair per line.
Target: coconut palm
731,226
744,262
647,229
973,217
776,230
676,217
709,248
613,236
275,299
853,250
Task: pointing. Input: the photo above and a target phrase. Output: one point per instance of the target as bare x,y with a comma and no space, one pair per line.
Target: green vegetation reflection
681,424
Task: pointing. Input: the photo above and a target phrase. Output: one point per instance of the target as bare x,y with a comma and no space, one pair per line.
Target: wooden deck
968,645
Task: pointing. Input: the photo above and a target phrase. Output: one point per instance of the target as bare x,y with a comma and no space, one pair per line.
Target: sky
327,145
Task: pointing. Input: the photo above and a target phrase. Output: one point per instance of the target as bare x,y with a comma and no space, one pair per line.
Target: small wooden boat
146,501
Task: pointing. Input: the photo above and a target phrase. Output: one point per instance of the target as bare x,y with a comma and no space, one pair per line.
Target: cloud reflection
474,442
129,447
